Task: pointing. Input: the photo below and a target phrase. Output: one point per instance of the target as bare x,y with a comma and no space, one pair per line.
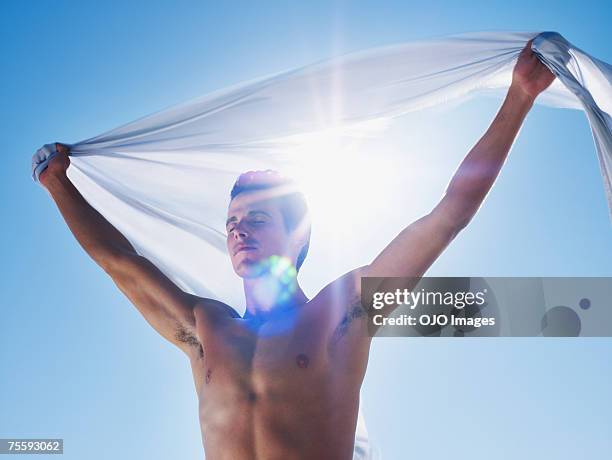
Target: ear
301,234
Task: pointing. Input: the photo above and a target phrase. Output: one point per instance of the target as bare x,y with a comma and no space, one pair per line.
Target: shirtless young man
283,381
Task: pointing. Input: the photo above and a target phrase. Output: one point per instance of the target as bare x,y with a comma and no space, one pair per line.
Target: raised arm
413,251
166,307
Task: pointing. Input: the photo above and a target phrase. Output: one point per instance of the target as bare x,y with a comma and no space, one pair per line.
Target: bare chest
267,362
277,384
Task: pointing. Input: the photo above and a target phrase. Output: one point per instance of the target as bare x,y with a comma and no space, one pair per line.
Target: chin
248,268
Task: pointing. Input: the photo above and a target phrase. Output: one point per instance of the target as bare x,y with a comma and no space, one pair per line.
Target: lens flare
277,282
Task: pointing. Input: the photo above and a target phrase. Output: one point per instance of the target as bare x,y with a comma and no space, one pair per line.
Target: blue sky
78,362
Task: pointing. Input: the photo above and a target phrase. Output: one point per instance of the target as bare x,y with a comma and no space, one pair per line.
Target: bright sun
337,175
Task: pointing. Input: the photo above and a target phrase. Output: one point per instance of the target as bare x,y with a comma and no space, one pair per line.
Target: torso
288,389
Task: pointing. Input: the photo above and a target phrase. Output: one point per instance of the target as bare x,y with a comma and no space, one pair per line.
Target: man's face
255,232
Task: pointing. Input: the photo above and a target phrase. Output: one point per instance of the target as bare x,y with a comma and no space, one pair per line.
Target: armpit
355,311
189,338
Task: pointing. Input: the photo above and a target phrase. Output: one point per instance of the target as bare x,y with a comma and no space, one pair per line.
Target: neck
267,297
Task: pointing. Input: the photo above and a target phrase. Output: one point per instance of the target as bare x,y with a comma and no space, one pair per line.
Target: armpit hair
354,311
185,336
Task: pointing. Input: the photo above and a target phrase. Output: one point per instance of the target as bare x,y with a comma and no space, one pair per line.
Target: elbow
461,222
460,208
112,259
455,217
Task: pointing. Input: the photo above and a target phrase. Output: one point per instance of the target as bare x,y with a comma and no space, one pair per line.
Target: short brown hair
292,204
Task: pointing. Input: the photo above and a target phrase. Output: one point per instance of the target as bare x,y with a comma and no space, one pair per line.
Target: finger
527,51
61,148
41,160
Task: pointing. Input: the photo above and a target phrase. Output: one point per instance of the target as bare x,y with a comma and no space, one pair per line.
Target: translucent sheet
164,180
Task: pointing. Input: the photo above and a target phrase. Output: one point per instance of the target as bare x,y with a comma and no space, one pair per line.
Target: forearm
481,166
94,233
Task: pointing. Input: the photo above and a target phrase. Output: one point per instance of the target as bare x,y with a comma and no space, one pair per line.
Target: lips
244,247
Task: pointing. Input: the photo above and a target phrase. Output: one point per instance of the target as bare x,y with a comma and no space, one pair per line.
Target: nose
240,231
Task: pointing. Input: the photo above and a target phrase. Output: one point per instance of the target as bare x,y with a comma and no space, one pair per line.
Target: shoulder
346,287
341,299
205,308
206,312
347,341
